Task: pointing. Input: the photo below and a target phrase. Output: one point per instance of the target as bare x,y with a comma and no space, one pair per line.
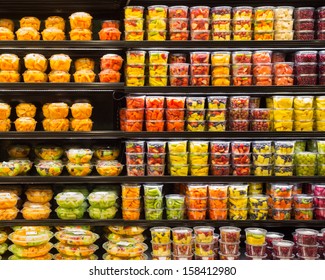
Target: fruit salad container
203,234
199,12
305,56
135,57
283,12
303,13
229,234
221,13
284,147
242,12
304,214
281,214
256,250
258,213
220,170
220,159
196,214
178,12
262,159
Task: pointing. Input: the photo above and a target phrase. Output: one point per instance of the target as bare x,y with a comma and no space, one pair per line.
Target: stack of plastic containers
281,201
229,243
321,157
178,23
135,68
303,206
55,117
283,24
269,238
79,161
283,158
110,64
221,23
219,158
304,23
239,113
306,164
200,68
36,65
307,246
158,68
131,202
178,70
178,158
238,201
319,201
9,67
175,206
242,23
8,203
196,201
156,154
37,206
258,208
255,243
264,23
161,243
220,62
198,158
218,201
31,243
321,55
320,113
110,30
204,243
182,243
175,113
216,115
199,23
283,73
157,23
262,158
60,66
134,113
133,23
76,244
81,26
81,113
306,67
282,113
153,201
3,244
241,68
321,23
72,205
102,205
155,113
241,158
262,68
29,29
125,243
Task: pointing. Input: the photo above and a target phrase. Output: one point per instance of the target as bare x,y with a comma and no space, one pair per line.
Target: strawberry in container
241,158
200,69
199,24
157,11
261,114
262,57
241,57
220,170
220,159
199,35
134,158
179,69
177,12
240,102
154,147
221,13
199,12
238,114
242,80
200,57
156,158
200,80
178,24
239,125
219,147
109,34
178,35
175,102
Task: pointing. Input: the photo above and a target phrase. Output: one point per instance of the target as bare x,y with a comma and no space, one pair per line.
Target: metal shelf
171,223
159,179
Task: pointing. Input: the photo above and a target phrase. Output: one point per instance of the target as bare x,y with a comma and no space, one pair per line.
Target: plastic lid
69,196
76,236
49,163
283,243
125,248
116,238
100,196
306,231
108,163
180,230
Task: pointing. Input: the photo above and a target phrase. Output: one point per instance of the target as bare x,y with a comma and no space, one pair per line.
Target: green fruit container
153,214
175,214
306,170
305,158
153,190
175,201
300,146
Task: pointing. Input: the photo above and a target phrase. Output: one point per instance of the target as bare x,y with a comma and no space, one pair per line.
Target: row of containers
236,113
223,23
179,243
194,201
224,68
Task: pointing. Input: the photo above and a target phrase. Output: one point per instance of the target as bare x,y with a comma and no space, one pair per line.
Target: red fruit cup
273,236
155,102
200,80
321,35
239,114
239,125
241,69
135,102
200,69
261,125
306,68
265,80
307,251
306,236
304,24
283,68
241,57
198,35
156,170
156,147
199,24
283,248
134,158
321,12
177,12
306,56
241,170
154,114
219,147
262,57
134,146
135,170
242,12
241,158
156,158
319,201
199,12
304,13
261,114
319,213
179,69
182,249
244,80
220,170
175,102
228,257
200,57
305,35
321,68
240,147
229,234
179,81
218,214
221,13
229,248
306,79
220,159
178,24
177,58
111,24
178,35
255,250
134,114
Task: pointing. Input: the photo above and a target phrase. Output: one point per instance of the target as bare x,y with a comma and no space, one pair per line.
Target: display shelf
157,179
231,90
144,135
171,223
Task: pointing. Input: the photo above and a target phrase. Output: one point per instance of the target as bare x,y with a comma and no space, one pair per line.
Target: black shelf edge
113,134
158,179
232,90
226,45
5,87
171,223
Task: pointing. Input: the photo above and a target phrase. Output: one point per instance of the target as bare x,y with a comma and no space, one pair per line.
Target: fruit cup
303,214
230,234
242,12
258,214
220,159
220,170
203,234
182,235
199,12
218,191
178,12
196,214
175,102
161,249
281,214
221,13
178,169
175,114
160,235
131,12
155,170
158,57
218,214
157,11
255,250
135,57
